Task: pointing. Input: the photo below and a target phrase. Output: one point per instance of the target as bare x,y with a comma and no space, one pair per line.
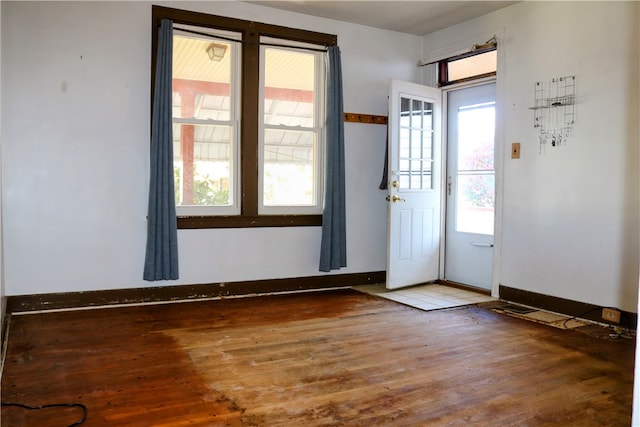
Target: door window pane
476,135
415,144
475,203
476,176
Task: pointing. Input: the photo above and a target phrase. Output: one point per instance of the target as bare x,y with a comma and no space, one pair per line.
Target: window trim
249,117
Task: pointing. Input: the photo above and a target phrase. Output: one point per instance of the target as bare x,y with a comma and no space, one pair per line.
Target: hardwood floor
333,358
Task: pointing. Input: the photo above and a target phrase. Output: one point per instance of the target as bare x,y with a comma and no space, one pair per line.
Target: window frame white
317,128
235,104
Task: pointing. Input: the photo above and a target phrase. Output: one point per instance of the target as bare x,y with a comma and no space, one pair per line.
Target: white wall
76,147
2,291
570,216
75,101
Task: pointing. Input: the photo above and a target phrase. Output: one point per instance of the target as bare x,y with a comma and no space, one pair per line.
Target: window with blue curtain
255,131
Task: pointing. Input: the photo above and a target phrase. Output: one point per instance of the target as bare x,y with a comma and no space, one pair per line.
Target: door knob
395,199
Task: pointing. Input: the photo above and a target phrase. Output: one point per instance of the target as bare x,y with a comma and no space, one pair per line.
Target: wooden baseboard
464,287
567,307
22,303
4,328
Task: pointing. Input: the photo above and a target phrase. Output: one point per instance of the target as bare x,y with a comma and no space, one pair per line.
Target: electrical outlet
611,315
515,150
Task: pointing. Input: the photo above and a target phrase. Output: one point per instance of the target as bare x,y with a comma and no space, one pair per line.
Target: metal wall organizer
554,110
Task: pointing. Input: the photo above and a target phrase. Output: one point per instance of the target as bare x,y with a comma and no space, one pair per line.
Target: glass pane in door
476,175
415,144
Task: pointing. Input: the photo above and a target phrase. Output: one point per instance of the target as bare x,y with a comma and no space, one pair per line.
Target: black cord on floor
579,316
54,405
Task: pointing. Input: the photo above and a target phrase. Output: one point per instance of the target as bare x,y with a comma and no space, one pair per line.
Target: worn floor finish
335,358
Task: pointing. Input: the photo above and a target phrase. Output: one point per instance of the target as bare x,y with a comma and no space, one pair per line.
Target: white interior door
470,185
414,191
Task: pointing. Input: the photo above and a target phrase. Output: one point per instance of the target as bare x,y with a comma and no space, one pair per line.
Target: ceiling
419,17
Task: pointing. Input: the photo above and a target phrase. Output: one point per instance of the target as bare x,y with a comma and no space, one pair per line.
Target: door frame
499,171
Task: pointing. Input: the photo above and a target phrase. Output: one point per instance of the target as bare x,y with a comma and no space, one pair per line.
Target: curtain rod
490,44
214,36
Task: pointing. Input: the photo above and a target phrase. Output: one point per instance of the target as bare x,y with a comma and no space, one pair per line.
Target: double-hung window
206,118
248,121
291,119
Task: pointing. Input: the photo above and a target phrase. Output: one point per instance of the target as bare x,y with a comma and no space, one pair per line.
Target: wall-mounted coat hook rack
365,118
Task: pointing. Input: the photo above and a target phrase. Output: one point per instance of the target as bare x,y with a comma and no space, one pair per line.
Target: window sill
240,221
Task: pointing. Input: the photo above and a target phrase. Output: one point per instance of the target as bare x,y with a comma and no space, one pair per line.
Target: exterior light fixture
216,51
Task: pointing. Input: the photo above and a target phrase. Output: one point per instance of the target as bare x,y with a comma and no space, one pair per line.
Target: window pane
473,66
203,165
289,168
289,87
201,84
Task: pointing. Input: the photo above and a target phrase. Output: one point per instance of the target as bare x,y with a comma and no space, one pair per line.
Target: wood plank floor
333,358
